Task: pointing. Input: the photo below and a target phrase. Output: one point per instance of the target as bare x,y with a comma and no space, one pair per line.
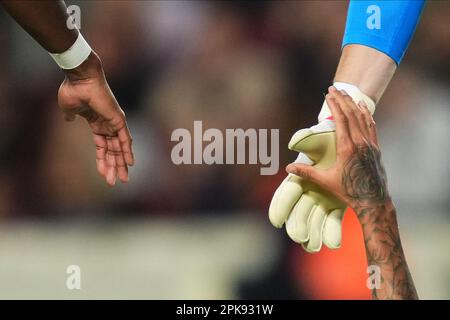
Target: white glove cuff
74,56
354,92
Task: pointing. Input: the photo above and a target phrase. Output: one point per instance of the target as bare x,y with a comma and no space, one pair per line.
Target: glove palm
311,214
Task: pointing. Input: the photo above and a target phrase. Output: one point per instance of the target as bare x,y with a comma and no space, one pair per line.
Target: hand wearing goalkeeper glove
312,215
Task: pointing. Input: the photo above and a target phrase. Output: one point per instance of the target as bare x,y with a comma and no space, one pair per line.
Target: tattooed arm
364,181
359,180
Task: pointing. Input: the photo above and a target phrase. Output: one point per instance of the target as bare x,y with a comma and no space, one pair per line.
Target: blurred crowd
244,64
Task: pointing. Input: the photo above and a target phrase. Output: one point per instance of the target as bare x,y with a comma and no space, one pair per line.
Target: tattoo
384,249
364,182
364,177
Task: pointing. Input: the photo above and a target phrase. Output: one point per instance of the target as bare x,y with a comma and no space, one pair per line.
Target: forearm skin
384,249
368,69
377,35
45,21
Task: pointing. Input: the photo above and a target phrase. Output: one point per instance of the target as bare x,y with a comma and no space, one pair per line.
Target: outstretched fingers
110,160
369,123
342,128
351,111
122,168
126,141
111,169
101,148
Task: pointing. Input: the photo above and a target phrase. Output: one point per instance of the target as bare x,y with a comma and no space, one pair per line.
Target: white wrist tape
354,92
74,56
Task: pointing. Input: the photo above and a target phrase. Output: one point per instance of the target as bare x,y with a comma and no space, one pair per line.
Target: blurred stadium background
201,231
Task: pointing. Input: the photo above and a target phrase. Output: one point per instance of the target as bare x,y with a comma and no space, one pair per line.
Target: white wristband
74,56
354,92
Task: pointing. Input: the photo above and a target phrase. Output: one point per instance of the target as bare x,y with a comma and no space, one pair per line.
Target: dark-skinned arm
85,91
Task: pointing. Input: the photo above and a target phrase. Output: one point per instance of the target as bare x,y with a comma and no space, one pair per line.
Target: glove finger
284,199
315,228
299,136
302,134
297,223
332,230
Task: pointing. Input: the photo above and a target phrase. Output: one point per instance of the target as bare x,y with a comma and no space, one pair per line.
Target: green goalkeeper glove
313,216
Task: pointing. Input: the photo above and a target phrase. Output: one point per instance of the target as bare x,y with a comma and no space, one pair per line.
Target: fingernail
332,89
344,93
291,169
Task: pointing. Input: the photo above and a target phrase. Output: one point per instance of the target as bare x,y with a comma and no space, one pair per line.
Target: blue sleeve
387,26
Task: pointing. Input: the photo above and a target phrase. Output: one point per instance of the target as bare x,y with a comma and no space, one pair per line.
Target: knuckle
364,110
354,110
119,122
303,173
361,116
344,119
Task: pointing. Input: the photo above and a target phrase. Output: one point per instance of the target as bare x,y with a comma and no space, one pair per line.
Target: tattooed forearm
384,249
364,181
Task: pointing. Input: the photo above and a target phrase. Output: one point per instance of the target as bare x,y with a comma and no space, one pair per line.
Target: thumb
307,172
